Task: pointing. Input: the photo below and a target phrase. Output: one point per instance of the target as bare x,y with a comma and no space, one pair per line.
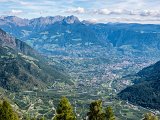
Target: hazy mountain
47,33
146,90
36,22
23,69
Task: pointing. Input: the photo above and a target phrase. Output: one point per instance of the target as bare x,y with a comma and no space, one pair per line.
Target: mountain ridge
146,88
22,68
41,20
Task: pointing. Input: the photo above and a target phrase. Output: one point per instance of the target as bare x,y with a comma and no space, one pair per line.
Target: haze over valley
91,63
97,58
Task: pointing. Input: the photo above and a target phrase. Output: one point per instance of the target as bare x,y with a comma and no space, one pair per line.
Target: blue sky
141,11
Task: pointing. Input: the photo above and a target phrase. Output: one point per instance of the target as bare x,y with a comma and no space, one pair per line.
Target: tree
96,112
6,112
150,116
33,118
42,118
64,110
109,115
26,117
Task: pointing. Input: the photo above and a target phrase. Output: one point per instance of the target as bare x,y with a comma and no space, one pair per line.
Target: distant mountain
47,33
22,68
146,90
13,20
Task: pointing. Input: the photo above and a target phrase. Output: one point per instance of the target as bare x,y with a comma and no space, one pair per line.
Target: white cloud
113,11
25,3
78,10
103,11
93,20
4,0
126,20
145,10
152,13
15,12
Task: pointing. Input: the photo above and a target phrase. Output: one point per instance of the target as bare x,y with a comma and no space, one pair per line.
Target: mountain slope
23,69
146,90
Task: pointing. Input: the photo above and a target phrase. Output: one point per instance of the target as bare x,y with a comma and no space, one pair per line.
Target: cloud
25,3
108,12
94,10
102,11
78,10
15,12
93,20
126,20
4,0
153,13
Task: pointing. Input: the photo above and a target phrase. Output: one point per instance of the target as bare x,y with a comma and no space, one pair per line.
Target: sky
104,11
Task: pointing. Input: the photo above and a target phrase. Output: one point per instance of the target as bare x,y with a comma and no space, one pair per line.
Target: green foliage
109,115
6,112
64,110
96,112
23,72
26,117
145,91
42,118
33,118
150,116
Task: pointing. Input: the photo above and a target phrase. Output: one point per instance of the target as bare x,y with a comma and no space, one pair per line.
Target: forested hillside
22,68
146,90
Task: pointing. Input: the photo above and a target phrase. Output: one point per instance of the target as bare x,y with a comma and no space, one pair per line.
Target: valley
89,61
95,74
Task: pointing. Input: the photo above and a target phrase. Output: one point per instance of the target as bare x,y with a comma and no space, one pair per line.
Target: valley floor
94,78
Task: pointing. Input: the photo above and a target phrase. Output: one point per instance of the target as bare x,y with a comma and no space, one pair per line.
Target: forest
65,111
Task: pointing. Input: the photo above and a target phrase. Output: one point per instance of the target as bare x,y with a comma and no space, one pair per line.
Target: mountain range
68,37
45,34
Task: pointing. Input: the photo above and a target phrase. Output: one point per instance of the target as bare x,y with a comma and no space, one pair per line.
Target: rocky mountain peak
38,21
71,19
15,20
46,20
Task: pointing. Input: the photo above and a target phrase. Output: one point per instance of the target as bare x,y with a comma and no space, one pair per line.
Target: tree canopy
150,116
6,112
96,112
64,110
109,115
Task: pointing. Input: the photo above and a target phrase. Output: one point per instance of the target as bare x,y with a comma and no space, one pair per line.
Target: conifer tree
42,118
96,112
6,112
26,117
64,110
109,115
33,118
150,116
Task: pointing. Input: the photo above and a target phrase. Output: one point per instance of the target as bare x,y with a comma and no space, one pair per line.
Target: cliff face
8,40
